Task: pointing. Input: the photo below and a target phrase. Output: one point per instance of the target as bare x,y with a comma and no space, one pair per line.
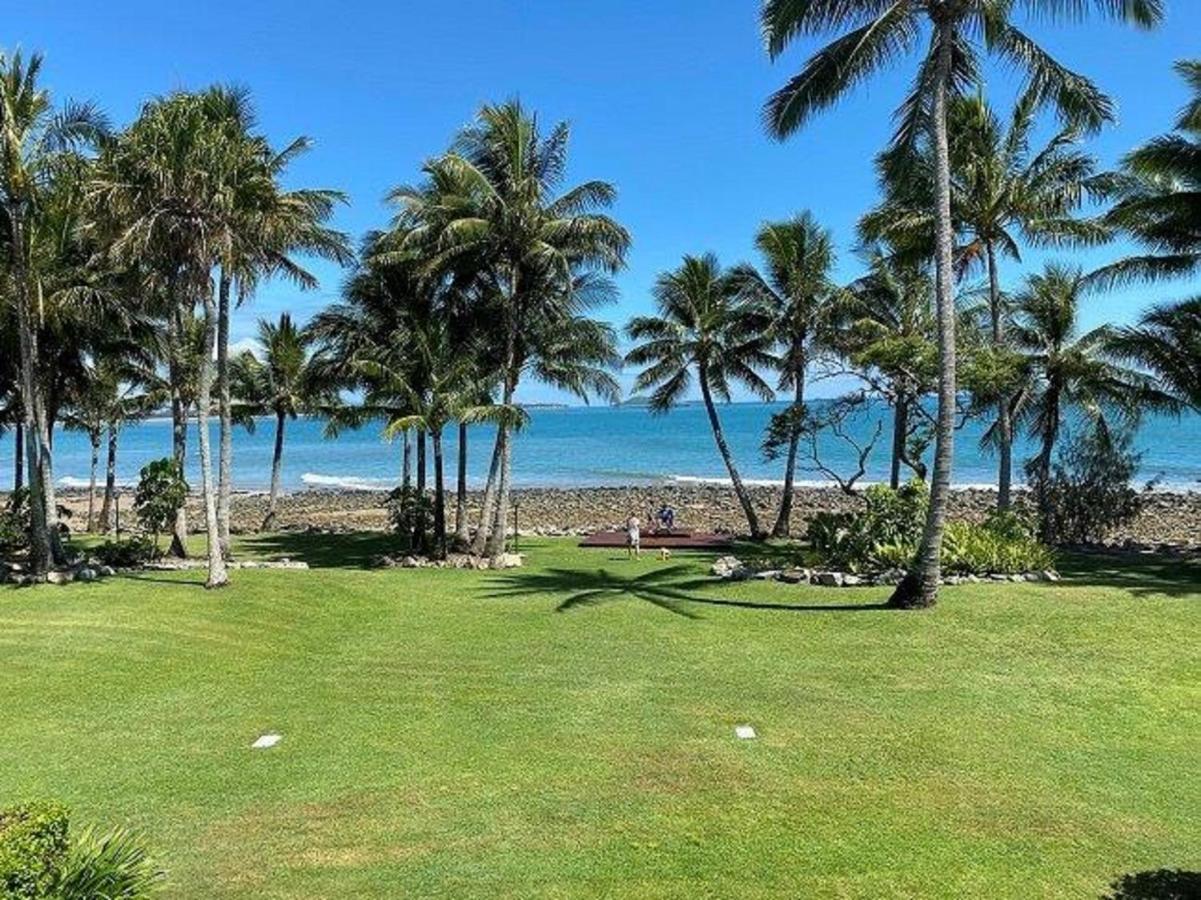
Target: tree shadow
1158,884
1143,575
353,550
663,587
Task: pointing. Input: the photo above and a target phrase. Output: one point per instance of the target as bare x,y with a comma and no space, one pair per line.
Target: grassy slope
452,734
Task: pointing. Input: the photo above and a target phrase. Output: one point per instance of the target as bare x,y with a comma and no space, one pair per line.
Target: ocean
583,447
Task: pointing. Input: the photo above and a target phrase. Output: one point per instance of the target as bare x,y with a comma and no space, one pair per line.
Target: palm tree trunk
504,444
439,497
110,482
1004,421
488,504
461,534
19,456
225,412
218,576
1043,465
719,436
419,524
920,587
41,547
179,425
406,469
784,518
277,456
94,437
900,431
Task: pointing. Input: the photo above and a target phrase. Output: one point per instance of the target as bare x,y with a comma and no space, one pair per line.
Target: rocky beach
1172,518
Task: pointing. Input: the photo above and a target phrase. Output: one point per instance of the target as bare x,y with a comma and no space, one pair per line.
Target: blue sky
664,99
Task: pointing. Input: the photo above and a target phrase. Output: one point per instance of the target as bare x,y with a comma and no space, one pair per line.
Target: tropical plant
1089,492
1004,193
795,291
883,325
285,383
161,491
490,208
879,33
1069,370
1158,199
164,190
1167,341
706,328
270,226
37,146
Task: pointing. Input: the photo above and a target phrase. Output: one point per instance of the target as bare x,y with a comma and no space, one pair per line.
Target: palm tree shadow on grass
1141,575
661,587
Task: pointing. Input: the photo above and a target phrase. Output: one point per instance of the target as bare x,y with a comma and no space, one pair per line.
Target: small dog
664,554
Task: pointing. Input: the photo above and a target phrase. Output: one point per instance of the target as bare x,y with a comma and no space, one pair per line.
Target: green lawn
567,729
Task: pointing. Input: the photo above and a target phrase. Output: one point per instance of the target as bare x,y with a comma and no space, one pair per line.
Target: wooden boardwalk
674,540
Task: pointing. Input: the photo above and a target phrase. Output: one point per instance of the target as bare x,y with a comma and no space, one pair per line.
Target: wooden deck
674,540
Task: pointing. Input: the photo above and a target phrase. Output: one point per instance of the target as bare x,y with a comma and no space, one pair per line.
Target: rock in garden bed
730,568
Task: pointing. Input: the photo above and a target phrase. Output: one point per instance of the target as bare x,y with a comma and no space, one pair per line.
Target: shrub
39,862
33,844
883,535
1088,494
14,523
112,865
161,492
979,549
410,513
128,553
887,533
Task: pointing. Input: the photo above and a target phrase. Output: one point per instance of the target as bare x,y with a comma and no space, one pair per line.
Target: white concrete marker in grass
744,732
267,740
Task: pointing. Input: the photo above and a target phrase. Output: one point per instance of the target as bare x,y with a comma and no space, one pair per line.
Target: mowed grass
567,729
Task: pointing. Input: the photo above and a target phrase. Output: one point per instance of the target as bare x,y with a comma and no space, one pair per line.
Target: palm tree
880,32
286,382
707,325
1069,370
1167,341
1003,194
883,323
796,291
36,145
270,226
164,188
1158,196
491,207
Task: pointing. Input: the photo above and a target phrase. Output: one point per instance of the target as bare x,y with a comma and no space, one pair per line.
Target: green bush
883,535
979,549
33,846
887,532
126,553
113,866
1088,494
160,494
14,523
39,862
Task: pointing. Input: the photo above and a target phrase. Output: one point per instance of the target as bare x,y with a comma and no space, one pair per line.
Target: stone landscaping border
89,570
730,568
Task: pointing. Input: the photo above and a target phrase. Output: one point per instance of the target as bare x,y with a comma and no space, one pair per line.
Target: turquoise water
582,447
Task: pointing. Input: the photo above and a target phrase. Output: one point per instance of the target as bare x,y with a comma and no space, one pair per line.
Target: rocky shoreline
1172,519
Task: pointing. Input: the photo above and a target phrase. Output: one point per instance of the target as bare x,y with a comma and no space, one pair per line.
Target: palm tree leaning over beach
795,290
879,33
285,383
1167,342
1003,193
709,327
